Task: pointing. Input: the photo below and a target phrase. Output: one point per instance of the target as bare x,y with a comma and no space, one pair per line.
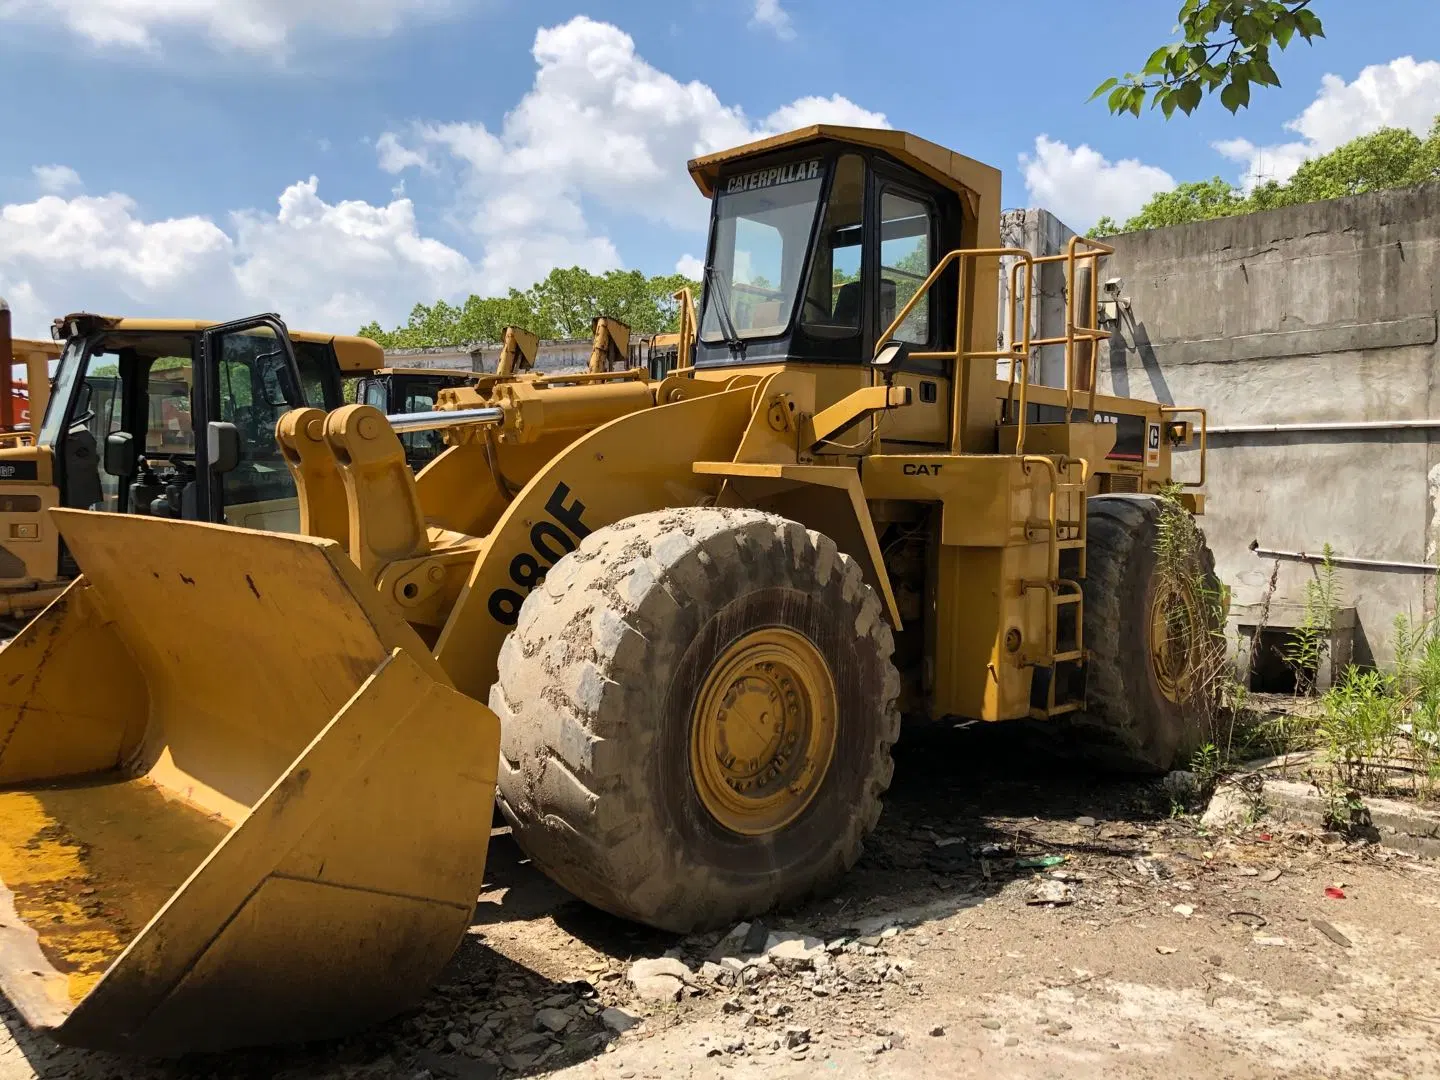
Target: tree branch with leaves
1225,47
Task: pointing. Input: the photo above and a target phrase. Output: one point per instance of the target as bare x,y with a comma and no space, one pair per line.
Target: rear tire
611,776
1138,719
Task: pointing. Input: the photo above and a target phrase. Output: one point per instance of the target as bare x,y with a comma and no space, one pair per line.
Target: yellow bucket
240,802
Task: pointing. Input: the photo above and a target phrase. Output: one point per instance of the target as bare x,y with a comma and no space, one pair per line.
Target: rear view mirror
222,446
120,453
891,357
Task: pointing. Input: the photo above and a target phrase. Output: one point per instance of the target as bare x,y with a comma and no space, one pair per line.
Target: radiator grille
1127,483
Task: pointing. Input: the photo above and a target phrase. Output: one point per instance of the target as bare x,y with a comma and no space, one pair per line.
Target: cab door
906,240
247,379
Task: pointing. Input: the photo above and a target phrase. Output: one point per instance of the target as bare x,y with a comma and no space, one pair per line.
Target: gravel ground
1013,914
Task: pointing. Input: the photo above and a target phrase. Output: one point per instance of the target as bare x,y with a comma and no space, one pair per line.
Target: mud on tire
597,686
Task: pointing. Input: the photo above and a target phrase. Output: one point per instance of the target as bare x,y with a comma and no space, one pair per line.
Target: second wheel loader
676,621
137,401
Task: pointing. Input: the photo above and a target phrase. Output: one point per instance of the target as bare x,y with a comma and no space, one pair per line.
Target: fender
633,464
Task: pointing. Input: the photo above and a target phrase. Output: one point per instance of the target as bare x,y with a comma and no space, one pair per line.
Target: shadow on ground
964,804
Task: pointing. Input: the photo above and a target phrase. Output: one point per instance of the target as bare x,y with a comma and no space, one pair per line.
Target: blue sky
159,154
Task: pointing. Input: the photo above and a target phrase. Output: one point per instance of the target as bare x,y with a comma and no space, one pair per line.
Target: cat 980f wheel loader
248,777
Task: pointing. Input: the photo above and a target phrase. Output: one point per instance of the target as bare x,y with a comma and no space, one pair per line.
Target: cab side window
421,447
907,229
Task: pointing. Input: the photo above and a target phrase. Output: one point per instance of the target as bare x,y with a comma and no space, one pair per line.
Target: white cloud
56,179
324,266
690,266
395,158
820,110
770,15
1081,186
254,25
601,135
1403,93
600,128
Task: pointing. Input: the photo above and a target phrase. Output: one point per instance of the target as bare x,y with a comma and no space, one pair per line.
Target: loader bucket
240,802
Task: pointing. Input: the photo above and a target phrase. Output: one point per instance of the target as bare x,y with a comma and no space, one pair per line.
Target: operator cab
177,420
814,249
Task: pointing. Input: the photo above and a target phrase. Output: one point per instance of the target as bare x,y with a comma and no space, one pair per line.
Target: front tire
697,709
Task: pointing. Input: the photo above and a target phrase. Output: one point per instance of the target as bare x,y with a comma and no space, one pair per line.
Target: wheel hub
763,731
1174,640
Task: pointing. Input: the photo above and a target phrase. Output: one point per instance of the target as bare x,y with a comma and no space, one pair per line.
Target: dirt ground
1148,947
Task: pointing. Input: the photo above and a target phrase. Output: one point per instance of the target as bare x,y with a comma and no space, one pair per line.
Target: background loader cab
162,417
411,390
178,421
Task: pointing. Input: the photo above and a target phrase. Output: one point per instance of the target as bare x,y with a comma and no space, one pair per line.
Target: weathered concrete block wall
1325,312
1040,233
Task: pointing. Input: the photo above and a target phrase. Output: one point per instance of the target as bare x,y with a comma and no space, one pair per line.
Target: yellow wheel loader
248,777
128,430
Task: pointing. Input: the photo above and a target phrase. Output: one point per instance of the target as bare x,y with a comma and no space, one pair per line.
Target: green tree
1198,200
1225,46
1383,160
560,306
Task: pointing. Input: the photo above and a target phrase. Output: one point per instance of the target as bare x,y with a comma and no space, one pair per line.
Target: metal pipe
443,418
1327,425
1343,560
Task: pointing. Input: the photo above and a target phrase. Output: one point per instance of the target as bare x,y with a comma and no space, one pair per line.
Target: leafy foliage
561,306
1225,47
1384,159
1360,719
1310,644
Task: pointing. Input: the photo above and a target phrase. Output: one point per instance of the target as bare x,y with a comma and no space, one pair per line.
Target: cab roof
352,353
964,175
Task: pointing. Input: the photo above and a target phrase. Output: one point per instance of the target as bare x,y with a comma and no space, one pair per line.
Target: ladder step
1064,657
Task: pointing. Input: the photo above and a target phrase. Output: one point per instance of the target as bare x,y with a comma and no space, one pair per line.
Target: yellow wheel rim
1174,639
763,732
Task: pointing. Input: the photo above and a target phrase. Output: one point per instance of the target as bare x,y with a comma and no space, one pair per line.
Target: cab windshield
762,227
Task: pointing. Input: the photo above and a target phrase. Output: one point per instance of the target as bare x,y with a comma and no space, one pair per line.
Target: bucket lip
32,984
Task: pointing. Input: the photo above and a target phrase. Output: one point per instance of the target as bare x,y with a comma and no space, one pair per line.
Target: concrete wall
1324,312
1040,233
550,357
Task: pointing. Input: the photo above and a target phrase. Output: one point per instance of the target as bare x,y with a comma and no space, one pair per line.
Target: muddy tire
1135,719
602,688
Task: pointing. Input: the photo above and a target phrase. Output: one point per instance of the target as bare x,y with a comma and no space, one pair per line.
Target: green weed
1310,644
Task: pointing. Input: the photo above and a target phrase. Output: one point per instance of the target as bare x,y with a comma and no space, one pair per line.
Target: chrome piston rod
443,418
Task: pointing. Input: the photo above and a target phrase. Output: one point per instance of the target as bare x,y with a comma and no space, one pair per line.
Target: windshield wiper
727,325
